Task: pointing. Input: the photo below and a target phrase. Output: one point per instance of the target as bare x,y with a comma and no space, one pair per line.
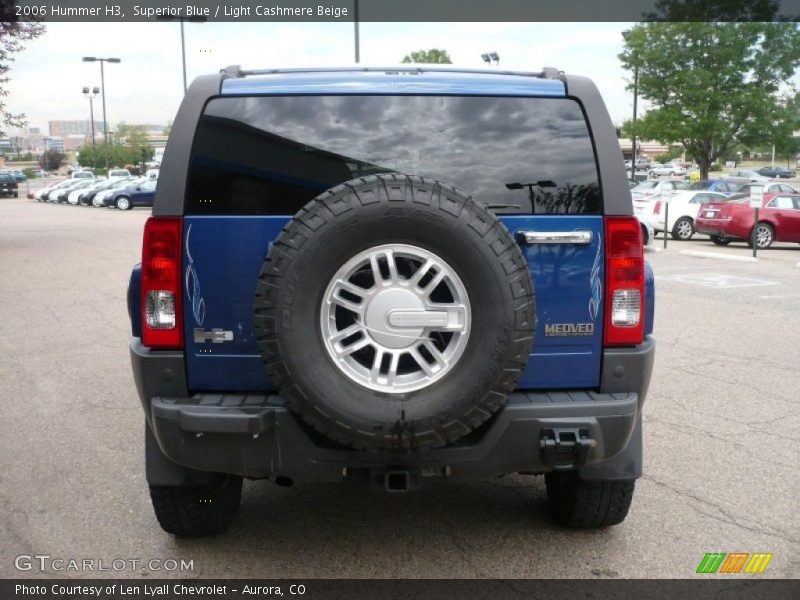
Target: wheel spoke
427,266
438,357
354,347
434,283
345,333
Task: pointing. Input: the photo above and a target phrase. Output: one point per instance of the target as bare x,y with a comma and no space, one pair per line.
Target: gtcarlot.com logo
734,562
47,563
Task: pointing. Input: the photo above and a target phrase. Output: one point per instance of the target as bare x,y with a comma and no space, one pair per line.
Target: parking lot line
701,254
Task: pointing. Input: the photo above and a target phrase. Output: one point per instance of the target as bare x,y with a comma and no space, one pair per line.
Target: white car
115,174
151,174
683,208
649,190
771,187
670,169
647,229
82,175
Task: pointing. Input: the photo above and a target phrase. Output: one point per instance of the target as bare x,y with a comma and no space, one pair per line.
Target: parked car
86,196
42,193
75,193
776,172
298,320
671,169
138,193
101,195
152,173
648,234
60,195
778,220
39,173
20,176
641,164
649,190
683,208
119,174
769,189
81,174
716,185
745,176
8,185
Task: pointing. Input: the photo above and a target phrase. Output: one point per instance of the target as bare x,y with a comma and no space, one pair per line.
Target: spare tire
394,313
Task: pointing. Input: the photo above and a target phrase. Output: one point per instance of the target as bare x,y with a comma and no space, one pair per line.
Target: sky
146,87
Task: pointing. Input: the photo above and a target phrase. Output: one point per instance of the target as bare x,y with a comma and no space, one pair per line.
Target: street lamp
625,35
195,19
103,91
355,31
491,56
91,94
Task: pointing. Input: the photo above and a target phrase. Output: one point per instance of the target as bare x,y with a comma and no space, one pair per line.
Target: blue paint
226,254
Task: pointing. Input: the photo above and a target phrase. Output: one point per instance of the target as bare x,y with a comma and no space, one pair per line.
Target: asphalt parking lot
722,424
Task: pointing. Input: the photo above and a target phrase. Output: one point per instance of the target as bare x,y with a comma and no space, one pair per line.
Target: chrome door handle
582,237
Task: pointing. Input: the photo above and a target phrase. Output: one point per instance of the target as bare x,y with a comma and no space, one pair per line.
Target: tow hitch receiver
565,448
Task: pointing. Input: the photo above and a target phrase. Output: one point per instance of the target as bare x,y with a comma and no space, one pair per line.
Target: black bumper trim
257,436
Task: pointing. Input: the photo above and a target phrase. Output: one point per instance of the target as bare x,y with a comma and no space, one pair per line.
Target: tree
13,35
712,86
434,56
51,160
168,128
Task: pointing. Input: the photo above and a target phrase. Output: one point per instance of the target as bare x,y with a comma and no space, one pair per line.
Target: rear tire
720,241
198,510
764,235
582,504
683,229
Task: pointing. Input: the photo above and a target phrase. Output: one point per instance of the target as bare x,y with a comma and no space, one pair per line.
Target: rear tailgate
258,159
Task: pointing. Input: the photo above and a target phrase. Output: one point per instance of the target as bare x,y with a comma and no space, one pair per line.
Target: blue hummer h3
386,275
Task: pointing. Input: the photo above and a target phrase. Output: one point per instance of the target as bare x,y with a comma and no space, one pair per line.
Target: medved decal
193,285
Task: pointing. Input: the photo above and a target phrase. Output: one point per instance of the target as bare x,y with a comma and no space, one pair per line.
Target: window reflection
271,155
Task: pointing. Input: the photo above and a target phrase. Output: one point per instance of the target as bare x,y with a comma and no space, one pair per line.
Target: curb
701,254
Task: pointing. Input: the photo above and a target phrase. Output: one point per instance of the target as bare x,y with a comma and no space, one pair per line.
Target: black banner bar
401,10
734,588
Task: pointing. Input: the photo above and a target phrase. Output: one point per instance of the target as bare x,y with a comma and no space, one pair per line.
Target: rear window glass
271,155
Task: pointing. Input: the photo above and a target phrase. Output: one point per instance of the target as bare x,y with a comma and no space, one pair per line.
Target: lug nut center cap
390,318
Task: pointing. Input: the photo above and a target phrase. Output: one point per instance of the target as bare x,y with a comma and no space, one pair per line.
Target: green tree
51,160
13,35
434,56
712,86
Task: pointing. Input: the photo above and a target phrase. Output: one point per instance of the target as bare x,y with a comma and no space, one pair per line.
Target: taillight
624,318
161,283
657,208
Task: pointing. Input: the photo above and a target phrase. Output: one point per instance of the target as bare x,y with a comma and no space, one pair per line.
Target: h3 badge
215,336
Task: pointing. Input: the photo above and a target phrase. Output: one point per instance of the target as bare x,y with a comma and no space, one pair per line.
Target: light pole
491,56
103,91
355,32
625,35
90,94
196,19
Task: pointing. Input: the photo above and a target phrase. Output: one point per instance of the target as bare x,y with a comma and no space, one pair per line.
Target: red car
778,220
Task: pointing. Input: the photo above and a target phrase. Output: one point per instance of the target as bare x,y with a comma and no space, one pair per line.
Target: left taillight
161,283
625,293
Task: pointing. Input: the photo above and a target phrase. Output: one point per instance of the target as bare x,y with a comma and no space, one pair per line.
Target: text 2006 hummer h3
390,275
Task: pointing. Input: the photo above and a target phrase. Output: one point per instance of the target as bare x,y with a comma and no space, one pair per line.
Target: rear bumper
257,436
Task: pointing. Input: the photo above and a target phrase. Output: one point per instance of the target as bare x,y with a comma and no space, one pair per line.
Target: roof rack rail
236,71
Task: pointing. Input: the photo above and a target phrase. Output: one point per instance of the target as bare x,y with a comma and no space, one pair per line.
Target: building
76,141
64,128
644,148
54,143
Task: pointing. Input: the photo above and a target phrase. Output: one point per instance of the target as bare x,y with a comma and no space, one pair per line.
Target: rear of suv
388,276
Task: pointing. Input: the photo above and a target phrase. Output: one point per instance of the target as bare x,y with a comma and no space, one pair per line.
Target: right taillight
161,283
624,309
